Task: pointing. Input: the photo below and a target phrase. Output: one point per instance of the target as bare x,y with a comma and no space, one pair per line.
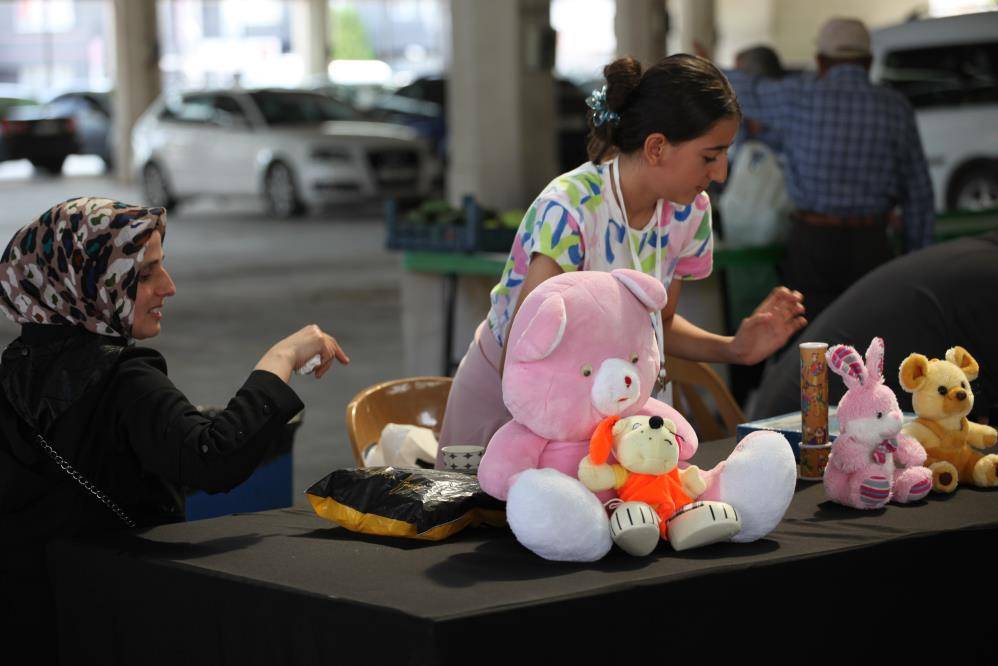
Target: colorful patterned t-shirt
577,222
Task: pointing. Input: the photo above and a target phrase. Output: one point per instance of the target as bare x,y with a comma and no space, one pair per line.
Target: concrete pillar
690,21
310,35
640,26
500,102
741,25
136,76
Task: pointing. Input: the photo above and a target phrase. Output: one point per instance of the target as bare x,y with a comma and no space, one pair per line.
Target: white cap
844,38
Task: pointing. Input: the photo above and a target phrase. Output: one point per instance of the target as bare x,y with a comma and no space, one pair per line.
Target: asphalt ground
245,281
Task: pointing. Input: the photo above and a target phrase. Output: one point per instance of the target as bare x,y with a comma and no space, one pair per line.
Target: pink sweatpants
475,409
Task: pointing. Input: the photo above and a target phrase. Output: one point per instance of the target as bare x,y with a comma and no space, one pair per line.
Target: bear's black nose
961,395
656,422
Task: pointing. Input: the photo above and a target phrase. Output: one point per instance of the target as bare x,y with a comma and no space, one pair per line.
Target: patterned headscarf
78,264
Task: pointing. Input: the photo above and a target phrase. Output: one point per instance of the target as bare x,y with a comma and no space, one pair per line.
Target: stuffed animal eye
942,390
880,415
587,370
963,385
635,426
634,358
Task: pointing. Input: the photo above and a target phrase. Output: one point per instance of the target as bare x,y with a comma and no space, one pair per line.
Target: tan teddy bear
941,397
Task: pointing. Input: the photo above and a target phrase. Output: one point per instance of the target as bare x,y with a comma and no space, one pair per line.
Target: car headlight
331,155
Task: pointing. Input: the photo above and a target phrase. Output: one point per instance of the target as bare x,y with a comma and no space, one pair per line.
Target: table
284,586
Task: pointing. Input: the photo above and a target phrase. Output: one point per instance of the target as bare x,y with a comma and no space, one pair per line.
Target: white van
948,70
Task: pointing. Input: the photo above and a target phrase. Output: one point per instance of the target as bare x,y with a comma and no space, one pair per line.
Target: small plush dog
651,487
942,398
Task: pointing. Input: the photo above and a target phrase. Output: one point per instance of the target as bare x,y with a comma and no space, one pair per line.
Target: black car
28,131
91,112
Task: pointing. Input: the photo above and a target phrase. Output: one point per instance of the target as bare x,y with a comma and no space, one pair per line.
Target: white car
295,148
948,70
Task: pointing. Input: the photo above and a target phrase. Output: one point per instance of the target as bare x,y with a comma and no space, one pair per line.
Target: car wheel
975,189
51,165
280,192
156,187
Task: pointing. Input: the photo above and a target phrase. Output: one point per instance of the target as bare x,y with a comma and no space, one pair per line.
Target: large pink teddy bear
582,348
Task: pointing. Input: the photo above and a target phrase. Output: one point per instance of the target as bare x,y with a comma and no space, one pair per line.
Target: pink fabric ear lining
646,289
544,332
875,360
846,361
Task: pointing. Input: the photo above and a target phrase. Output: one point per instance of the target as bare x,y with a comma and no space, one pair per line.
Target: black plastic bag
404,501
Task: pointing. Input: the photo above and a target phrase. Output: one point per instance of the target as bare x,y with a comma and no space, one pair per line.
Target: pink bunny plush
872,461
582,348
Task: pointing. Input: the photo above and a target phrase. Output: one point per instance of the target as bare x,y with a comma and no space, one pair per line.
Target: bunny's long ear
846,362
875,360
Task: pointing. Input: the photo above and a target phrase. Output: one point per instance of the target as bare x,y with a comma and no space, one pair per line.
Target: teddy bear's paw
703,523
758,480
557,517
944,477
986,471
635,527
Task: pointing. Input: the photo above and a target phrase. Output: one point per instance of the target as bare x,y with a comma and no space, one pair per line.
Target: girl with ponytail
657,139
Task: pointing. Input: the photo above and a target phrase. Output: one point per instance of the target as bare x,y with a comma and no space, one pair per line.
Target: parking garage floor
243,282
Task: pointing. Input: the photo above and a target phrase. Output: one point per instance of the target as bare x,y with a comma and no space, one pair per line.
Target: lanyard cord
656,317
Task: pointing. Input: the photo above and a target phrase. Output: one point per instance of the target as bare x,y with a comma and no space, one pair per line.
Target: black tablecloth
287,587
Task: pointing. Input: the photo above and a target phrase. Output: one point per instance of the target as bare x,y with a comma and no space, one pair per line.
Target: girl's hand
776,319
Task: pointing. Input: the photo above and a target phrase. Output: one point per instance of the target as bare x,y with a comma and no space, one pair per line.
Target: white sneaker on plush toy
634,527
702,523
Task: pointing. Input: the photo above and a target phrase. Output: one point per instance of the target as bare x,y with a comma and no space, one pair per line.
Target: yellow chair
412,400
690,381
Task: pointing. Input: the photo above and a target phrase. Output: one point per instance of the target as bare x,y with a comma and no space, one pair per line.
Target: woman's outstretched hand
294,351
776,319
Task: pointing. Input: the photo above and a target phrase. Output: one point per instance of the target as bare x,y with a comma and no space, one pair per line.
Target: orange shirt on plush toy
648,455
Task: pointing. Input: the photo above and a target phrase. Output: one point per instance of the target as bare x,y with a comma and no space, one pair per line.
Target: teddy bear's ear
914,372
875,360
845,361
645,288
544,332
962,359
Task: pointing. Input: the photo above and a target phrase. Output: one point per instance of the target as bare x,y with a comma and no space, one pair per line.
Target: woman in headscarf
93,434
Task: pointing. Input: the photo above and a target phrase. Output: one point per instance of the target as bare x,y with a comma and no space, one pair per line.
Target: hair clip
601,114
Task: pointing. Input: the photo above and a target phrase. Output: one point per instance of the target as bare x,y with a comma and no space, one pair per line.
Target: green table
486,265
949,226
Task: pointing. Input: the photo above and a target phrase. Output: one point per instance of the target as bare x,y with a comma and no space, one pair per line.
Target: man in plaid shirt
852,154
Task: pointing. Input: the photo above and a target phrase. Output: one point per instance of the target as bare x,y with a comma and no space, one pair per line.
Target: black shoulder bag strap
84,483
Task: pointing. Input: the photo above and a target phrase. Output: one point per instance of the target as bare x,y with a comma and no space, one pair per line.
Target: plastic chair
412,400
689,380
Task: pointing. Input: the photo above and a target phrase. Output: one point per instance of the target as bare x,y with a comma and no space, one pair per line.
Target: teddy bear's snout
956,400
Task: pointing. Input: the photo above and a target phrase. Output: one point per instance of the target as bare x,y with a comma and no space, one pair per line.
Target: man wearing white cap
853,155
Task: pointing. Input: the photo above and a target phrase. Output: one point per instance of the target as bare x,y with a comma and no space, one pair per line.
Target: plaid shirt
851,148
